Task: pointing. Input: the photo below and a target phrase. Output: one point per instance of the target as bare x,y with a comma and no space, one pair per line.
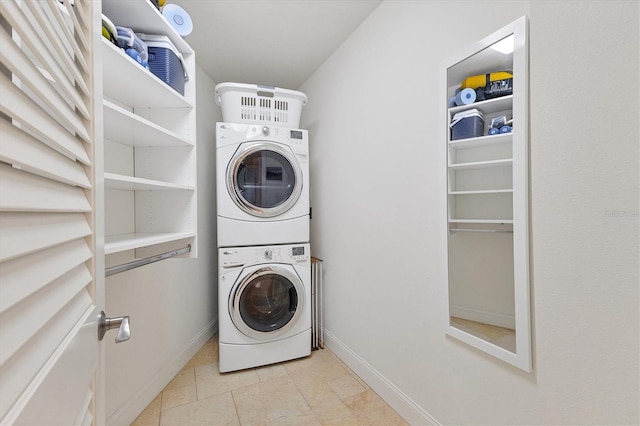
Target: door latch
121,323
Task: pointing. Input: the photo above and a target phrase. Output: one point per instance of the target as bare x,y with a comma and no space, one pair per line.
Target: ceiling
270,42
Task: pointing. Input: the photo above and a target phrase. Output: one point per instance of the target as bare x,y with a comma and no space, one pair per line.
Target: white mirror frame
522,358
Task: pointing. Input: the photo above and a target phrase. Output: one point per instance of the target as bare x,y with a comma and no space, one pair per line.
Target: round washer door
264,179
267,302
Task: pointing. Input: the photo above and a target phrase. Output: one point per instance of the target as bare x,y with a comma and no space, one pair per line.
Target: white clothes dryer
262,185
264,305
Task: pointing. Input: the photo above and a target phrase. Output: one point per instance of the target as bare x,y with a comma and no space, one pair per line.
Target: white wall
172,303
376,179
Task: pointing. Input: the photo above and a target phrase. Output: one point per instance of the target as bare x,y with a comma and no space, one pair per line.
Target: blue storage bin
467,124
165,61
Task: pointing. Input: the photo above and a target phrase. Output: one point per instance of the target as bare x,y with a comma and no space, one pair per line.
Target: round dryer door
264,179
267,302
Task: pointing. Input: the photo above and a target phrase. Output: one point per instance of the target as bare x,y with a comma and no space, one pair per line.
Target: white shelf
482,164
488,107
480,221
487,191
115,181
124,242
129,83
130,129
481,141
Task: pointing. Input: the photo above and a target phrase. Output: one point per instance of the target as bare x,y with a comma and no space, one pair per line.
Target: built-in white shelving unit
481,154
487,203
150,142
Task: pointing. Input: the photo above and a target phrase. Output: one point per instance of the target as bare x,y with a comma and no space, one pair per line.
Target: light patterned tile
346,386
178,396
210,382
370,409
318,389
208,354
206,370
311,385
276,401
326,405
217,410
151,415
186,376
321,364
362,382
346,367
271,372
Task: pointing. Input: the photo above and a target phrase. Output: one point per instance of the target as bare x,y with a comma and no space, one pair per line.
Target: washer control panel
230,134
280,254
243,256
255,131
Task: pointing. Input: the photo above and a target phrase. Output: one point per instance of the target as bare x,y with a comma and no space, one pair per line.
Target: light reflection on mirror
504,46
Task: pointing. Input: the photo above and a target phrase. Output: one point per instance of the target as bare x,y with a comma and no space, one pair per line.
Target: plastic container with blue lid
165,61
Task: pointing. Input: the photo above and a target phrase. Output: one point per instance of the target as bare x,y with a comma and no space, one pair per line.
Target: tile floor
317,390
503,337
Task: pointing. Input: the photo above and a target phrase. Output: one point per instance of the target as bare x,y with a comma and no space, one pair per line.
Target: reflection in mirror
487,193
481,285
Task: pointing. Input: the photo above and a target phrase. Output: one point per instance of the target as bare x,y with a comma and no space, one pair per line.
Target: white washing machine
262,185
264,305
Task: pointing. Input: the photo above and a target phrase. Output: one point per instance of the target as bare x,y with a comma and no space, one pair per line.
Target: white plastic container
250,103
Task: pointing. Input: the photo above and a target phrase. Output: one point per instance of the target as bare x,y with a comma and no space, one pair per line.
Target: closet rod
508,231
147,260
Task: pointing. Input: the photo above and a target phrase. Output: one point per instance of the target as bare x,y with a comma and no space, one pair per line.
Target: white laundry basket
250,103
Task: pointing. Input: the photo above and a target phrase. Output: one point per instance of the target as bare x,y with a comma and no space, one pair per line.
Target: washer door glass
264,180
266,302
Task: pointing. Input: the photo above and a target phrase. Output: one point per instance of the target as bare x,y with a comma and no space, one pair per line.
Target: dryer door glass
264,180
268,303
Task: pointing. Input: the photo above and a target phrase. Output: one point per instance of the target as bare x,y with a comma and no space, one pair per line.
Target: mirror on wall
487,195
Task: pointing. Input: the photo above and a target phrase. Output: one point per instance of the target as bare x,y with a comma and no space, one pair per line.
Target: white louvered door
50,219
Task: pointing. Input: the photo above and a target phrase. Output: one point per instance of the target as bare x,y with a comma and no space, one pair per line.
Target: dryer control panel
232,257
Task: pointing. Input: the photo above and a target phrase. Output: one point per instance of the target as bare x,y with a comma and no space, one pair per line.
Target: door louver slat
24,192
26,152
38,121
25,233
20,280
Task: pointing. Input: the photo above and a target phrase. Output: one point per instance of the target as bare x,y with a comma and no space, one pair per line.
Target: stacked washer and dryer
263,212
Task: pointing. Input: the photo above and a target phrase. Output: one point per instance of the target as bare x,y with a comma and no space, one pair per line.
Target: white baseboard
393,396
126,414
485,317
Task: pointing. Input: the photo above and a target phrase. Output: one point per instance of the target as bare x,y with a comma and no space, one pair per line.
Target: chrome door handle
121,323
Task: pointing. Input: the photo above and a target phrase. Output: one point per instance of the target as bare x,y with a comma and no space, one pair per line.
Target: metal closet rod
147,260
508,231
